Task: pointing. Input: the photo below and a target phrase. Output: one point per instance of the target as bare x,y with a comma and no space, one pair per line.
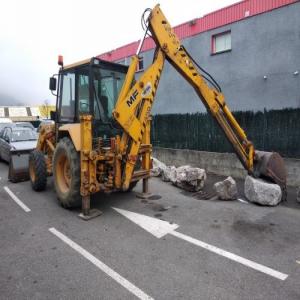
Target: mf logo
132,98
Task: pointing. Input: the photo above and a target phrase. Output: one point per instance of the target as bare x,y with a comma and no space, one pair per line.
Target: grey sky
33,33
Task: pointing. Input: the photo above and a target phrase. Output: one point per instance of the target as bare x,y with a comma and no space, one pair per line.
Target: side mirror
53,115
52,84
7,139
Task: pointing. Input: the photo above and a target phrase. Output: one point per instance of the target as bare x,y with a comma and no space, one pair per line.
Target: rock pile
189,178
157,167
169,174
226,189
185,177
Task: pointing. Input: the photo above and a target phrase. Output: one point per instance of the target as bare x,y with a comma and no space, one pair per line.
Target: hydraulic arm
135,102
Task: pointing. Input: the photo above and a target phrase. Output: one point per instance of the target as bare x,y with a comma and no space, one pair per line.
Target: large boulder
226,189
298,195
157,167
262,192
189,178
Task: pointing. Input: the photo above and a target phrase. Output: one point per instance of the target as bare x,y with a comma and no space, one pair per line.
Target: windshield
3,125
25,124
107,86
23,135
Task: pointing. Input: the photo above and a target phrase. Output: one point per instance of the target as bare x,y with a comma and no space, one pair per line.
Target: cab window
83,91
67,110
107,86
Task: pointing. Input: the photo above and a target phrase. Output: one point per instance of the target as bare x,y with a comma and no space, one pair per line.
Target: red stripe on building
221,17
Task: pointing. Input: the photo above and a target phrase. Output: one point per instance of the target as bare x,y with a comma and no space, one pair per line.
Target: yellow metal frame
76,64
46,144
134,105
132,111
73,130
167,40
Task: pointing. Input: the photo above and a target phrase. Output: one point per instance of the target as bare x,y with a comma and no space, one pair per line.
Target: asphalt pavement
47,252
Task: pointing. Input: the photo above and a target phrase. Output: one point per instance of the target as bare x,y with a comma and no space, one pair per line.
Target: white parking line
16,199
160,228
243,201
232,256
103,267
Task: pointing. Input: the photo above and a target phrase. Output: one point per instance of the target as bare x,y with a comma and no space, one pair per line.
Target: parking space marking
243,201
232,256
160,228
103,267
16,199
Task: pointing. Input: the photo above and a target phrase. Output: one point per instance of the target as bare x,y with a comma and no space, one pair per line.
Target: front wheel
66,173
37,170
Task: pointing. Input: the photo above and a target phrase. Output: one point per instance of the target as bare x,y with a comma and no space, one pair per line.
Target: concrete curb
226,164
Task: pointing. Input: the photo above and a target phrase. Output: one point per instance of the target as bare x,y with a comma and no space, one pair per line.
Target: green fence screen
274,130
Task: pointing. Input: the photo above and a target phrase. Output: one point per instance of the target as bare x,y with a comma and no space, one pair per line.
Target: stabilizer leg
145,193
88,213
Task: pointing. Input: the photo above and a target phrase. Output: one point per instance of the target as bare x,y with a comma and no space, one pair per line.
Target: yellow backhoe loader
101,137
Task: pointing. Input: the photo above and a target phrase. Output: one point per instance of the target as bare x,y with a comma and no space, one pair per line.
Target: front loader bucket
19,165
270,165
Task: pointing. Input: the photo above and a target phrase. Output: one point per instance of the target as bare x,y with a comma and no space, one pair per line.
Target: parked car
5,122
16,138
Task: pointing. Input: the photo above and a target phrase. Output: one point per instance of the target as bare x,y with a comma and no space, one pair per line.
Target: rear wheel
37,170
66,171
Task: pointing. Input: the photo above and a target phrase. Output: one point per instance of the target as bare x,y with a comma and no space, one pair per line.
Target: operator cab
89,87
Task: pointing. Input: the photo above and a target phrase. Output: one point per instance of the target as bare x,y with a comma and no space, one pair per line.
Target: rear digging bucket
19,166
270,165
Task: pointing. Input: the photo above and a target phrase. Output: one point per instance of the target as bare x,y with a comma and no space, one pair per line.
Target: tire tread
38,159
73,199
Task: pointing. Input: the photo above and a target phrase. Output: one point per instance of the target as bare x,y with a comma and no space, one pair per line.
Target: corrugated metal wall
274,130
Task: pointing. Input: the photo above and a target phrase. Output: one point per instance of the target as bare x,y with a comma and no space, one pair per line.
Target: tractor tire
37,170
66,174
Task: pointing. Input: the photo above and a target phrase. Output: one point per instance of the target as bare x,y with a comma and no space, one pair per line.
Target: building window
221,42
124,61
140,65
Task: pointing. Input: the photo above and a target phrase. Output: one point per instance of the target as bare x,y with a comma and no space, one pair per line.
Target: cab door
66,109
